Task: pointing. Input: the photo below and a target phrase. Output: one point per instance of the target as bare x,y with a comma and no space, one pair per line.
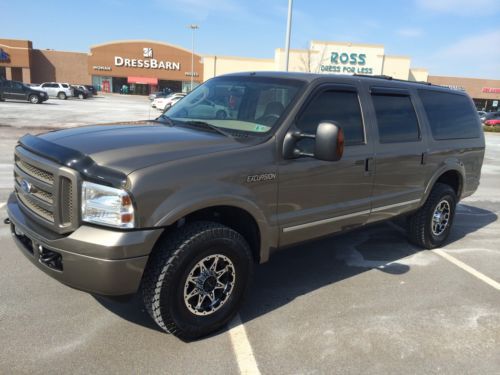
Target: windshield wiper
206,125
167,119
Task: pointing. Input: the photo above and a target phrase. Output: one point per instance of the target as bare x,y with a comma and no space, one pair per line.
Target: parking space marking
242,348
2,205
467,268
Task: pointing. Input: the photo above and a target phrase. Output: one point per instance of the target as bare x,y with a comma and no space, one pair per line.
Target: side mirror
329,145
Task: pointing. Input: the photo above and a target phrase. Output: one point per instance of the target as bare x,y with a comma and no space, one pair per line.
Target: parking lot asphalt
362,302
103,108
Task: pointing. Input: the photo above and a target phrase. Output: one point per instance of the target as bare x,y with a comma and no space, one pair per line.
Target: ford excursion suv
180,208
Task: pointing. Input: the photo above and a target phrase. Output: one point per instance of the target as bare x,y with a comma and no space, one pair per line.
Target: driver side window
341,107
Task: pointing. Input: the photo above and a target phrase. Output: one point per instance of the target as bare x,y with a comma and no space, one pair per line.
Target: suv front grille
46,191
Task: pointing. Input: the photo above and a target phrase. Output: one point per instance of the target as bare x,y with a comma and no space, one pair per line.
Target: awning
143,80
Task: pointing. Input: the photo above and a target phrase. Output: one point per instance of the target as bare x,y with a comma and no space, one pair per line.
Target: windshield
247,104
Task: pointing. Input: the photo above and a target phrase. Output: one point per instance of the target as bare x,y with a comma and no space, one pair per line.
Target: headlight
106,206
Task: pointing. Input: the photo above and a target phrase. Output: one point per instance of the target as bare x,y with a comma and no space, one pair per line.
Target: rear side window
65,85
396,118
451,116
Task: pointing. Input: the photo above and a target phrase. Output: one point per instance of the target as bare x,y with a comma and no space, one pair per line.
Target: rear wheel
34,99
221,115
430,226
196,279
62,96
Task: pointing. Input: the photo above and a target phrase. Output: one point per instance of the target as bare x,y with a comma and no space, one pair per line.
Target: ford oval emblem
26,186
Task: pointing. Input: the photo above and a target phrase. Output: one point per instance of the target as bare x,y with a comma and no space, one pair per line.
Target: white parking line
467,268
2,205
242,348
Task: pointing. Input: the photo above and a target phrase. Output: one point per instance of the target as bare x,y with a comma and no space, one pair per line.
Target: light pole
288,32
193,27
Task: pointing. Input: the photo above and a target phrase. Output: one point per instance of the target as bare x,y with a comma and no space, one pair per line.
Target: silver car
57,90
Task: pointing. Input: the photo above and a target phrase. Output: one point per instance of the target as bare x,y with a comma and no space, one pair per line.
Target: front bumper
96,260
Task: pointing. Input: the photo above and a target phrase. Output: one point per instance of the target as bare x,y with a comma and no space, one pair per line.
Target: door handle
423,158
369,162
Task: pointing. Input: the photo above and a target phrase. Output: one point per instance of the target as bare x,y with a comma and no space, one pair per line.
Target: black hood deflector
75,160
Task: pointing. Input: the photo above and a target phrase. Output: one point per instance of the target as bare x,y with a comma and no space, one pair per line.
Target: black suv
19,91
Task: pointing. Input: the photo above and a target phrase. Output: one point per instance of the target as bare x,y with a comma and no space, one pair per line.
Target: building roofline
349,44
140,41
239,58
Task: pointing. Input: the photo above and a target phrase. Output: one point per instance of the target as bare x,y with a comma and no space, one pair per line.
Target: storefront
142,67
484,92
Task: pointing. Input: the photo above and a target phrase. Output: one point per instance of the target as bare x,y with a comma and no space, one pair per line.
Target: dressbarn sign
148,63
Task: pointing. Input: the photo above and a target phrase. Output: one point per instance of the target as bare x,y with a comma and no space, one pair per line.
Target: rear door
321,197
400,152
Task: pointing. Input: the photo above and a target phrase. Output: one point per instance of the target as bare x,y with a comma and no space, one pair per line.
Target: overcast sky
449,37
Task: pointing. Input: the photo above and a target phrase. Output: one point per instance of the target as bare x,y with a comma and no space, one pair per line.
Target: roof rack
389,78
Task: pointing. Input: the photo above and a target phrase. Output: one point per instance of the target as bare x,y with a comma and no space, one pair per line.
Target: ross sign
347,63
491,90
147,64
4,56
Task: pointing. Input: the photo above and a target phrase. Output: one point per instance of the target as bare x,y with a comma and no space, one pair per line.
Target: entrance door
320,197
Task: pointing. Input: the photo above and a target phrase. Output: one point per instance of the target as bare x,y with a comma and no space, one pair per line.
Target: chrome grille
47,191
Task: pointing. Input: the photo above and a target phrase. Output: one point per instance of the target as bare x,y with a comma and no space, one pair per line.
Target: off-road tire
420,222
34,99
162,286
62,96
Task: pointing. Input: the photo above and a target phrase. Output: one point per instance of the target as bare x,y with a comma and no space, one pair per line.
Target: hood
127,148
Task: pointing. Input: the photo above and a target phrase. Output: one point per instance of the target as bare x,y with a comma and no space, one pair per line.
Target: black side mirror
329,144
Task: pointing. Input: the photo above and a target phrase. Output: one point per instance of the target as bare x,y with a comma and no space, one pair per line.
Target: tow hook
6,221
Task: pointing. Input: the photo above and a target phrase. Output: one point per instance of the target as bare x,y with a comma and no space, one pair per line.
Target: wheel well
453,179
233,217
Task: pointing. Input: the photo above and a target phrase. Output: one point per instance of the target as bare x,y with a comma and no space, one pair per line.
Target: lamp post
193,27
288,32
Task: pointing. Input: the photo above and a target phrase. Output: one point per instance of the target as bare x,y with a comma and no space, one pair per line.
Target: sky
448,37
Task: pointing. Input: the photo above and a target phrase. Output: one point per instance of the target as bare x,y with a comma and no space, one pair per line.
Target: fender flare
449,165
267,235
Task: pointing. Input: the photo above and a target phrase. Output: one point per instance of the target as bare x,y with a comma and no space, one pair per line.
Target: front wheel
430,226
34,99
196,279
80,96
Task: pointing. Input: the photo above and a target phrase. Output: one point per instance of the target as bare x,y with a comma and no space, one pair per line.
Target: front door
13,90
321,197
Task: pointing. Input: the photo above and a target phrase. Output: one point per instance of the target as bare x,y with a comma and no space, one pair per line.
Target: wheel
221,115
62,96
430,226
196,279
34,99
80,96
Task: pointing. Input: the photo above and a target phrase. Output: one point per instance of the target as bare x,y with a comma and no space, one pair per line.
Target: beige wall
322,57
396,66
218,65
419,74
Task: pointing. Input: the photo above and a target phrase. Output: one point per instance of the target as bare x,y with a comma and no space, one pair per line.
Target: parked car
57,90
181,209
490,116
163,102
205,109
492,122
160,94
172,103
15,90
91,88
80,92
481,113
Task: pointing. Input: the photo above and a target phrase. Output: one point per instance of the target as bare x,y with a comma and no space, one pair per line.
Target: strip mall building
144,66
